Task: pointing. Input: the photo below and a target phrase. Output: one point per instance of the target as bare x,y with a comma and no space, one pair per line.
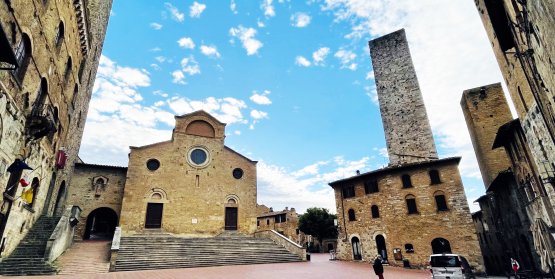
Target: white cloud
246,36
262,98
301,61
156,49
196,9
156,26
175,13
186,42
257,114
237,132
268,8
160,59
178,77
372,94
190,66
156,67
320,55
210,51
306,187
233,7
260,24
300,20
346,58
370,75
227,110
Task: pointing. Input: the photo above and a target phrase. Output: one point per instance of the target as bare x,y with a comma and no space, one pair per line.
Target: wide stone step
161,252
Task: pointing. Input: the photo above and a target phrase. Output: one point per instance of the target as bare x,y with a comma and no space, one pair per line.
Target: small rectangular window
349,192
371,187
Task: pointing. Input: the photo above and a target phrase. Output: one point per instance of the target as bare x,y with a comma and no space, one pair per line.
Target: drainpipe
343,213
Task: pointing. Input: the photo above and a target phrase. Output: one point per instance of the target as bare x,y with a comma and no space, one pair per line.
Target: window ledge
29,207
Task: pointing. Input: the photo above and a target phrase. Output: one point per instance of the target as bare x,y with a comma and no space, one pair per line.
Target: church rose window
152,164
237,173
198,157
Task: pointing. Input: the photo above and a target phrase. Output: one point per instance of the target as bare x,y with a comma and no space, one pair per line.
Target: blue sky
293,80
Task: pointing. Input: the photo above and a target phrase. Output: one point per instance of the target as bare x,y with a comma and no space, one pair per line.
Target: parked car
450,266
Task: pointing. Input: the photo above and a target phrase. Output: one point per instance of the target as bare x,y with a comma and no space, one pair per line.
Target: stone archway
357,253
441,246
381,246
101,224
60,200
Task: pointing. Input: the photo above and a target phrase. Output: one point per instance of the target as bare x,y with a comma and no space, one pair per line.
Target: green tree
319,223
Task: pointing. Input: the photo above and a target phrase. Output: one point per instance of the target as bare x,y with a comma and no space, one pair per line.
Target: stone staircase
160,252
28,257
85,257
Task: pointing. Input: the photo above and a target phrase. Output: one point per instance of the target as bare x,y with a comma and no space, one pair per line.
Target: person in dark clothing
378,267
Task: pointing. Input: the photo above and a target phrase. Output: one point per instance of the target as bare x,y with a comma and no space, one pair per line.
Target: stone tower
485,109
407,129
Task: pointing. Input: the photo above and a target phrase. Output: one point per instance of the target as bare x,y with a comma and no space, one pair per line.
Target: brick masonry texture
194,198
485,109
395,223
407,129
69,94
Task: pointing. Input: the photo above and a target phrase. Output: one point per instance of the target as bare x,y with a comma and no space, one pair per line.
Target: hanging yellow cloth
27,195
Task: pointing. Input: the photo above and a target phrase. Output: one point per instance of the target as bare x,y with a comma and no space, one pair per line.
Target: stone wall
396,225
485,109
89,195
407,129
68,94
287,227
194,197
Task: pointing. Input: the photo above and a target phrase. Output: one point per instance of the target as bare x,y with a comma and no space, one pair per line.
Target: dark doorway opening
330,247
60,200
154,215
357,255
101,224
231,218
441,246
382,249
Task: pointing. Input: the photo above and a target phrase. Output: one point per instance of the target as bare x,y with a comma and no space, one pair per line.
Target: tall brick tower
485,109
407,129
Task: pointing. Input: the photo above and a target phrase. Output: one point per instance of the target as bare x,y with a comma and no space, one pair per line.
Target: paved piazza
318,268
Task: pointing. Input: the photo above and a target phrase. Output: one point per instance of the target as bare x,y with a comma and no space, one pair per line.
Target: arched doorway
101,224
59,206
357,255
382,249
330,246
441,246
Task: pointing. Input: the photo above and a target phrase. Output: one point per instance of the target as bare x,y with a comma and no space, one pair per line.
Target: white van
450,266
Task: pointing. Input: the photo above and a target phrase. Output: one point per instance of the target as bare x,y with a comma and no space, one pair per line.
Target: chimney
358,172
271,209
286,208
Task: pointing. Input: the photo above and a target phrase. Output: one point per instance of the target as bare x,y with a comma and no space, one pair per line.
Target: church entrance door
154,215
231,218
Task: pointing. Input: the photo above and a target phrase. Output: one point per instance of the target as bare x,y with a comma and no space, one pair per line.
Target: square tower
407,130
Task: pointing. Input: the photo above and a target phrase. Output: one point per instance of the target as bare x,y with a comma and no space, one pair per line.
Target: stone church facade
191,185
415,206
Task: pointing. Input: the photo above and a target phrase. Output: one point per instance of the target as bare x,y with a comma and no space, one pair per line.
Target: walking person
378,267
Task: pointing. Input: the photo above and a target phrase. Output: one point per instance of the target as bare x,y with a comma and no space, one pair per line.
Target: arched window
411,204
441,202
352,216
67,71
60,35
434,177
409,248
407,183
23,57
41,98
30,192
375,211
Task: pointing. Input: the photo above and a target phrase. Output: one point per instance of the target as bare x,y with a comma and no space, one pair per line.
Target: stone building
503,224
416,205
285,222
521,33
98,191
49,53
192,185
